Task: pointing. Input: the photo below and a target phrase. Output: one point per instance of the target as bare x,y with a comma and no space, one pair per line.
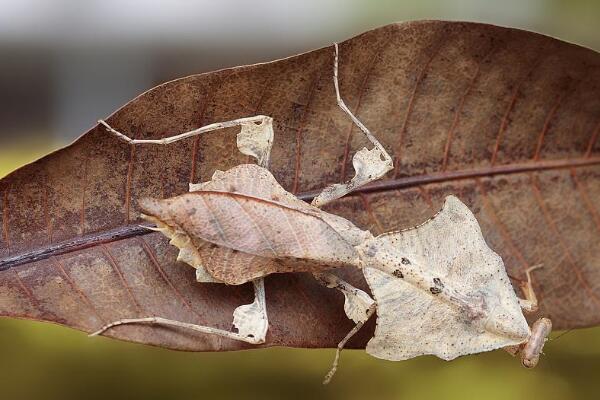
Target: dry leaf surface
506,120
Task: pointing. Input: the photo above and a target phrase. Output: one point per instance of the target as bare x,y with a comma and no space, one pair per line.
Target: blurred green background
66,64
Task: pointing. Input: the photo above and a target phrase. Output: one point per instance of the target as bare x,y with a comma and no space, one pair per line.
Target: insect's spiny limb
345,340
345,108
530,303
185,135
179,324
368,164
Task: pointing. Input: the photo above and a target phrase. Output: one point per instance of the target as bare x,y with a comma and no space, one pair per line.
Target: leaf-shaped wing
449,246
246,211
251,180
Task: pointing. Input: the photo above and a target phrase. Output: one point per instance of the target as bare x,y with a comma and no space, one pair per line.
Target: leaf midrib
127,231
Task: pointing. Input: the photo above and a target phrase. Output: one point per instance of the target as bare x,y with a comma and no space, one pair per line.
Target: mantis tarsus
439,277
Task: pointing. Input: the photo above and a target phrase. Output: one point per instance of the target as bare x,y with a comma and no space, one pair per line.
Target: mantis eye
530,354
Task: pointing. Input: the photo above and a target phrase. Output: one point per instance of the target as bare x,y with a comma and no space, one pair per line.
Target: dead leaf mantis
438,288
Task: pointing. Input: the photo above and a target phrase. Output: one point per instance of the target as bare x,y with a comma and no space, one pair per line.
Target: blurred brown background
66,63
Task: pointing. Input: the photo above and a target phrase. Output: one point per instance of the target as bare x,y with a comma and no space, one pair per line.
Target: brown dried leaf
506,120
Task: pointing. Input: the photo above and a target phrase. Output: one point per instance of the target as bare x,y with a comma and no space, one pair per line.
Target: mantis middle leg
370,165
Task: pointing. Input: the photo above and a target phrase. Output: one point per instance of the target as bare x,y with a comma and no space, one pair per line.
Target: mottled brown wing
254,226
251,180
235,267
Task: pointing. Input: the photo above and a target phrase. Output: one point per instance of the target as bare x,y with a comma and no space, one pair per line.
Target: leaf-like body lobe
453,297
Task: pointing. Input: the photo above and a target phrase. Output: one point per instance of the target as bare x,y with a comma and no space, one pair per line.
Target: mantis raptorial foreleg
530,303
530,351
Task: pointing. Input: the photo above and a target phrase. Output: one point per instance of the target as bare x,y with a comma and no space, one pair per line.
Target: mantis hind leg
250,320
178,324
257,119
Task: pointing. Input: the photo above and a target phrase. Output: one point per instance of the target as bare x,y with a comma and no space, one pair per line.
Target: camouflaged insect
438,288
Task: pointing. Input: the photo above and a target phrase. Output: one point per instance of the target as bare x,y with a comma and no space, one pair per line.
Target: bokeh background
66,63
